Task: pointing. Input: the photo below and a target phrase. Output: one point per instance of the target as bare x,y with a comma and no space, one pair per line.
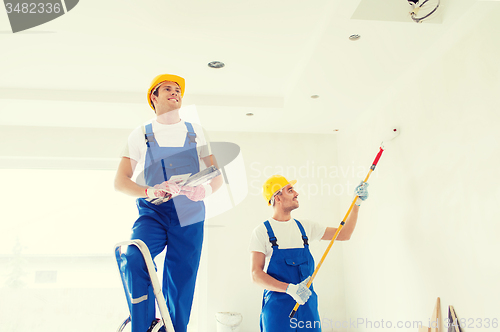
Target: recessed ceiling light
354,37
216,64
249,114
314,96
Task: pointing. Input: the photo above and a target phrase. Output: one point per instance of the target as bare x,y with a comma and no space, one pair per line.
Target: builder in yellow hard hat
282,243
168,149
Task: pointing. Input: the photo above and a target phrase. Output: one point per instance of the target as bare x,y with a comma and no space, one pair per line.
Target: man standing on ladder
282,243
166,146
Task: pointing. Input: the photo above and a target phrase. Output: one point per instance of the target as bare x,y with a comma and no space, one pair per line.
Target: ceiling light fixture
216,64
315,96
354,37
249,114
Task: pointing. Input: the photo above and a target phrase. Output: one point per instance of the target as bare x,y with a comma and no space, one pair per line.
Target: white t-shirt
287,234
167,136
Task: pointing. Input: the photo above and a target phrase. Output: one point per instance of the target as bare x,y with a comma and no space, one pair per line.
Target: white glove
299,292
362,192
156,192
163,190
169,186
197,193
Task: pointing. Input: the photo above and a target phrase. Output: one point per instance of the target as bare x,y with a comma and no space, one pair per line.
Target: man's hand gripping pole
372,168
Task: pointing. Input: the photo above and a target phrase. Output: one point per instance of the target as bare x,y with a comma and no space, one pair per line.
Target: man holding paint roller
167,147
282,244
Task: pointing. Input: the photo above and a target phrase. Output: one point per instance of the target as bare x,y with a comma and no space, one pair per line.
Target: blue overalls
177,224
290,266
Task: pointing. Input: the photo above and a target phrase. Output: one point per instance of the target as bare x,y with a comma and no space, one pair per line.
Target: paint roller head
393,133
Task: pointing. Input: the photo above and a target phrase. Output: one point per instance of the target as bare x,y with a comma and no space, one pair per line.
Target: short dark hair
273,199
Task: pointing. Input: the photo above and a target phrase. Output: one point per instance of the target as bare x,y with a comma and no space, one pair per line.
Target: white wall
312,160
85,294
431,226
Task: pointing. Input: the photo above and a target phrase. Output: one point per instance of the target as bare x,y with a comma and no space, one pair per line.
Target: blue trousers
159,228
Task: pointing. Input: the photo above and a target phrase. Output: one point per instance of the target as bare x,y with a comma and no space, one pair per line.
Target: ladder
160,300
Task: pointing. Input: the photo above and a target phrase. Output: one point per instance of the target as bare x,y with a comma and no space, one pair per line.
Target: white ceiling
92,66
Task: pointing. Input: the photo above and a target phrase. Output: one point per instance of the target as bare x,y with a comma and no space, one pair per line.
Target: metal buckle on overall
150,138
192,137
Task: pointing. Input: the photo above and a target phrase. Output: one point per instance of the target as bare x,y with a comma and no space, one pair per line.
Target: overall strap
191,135
150,139
149,135
270,233
303,232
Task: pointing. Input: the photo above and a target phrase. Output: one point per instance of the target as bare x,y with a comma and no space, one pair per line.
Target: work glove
169,186
299,292
152,192
197,193
163,190
362,192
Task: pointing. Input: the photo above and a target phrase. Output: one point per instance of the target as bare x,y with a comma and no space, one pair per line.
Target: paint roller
393,133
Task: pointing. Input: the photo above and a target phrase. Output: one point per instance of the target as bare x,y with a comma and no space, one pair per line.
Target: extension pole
372,168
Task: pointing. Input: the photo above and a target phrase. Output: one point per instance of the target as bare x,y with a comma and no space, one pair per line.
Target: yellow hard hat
274,184
164,78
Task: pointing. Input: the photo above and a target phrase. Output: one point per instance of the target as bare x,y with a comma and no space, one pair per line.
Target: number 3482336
33,8
473,323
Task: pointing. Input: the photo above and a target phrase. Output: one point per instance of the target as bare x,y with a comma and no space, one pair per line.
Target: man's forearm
129,187
216,183
350,224
266,281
